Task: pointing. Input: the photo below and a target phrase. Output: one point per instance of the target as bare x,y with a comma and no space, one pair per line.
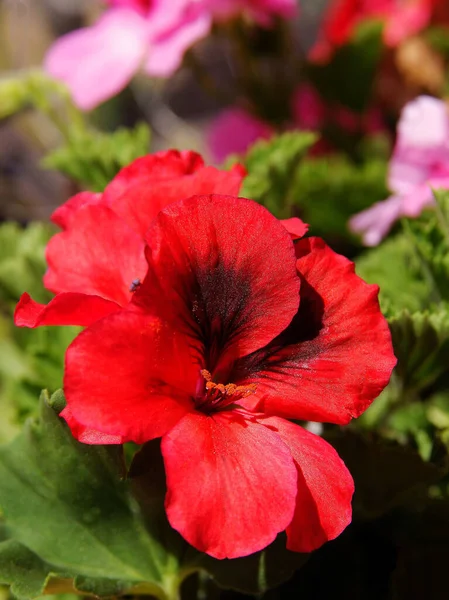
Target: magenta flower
419,163
234,131
97,62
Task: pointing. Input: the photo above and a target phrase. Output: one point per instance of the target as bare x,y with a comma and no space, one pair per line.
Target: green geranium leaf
25,572
93,158
396,269
271,169
421,345
328,191
66,502
22,261
430,237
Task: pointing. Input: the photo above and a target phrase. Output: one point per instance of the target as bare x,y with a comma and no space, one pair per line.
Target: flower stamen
218,395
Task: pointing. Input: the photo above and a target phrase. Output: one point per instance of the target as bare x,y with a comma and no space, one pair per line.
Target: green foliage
93,158
272,167
31,359
328,191
27,574
395,267
412,270
324,192
24,89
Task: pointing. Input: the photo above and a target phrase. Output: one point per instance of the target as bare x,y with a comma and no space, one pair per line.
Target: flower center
217,395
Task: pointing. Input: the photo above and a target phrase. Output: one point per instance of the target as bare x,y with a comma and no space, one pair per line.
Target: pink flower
419,163
234,131
98,62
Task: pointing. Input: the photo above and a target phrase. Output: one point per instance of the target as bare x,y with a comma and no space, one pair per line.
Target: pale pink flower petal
420,163
167,51
404,176
423,131
97,62
374,223
234,131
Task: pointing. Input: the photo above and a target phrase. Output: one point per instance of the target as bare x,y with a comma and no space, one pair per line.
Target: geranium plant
225,372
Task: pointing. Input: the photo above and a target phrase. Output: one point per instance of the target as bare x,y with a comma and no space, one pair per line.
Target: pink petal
169,46
374,223
423,132
98,62
234,131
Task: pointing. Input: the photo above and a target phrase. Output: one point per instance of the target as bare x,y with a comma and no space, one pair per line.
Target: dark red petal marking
221,270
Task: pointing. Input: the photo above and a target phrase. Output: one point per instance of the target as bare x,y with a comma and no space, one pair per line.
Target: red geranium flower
98,260
234,329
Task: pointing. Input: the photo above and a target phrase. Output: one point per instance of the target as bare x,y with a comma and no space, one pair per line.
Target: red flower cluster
229,329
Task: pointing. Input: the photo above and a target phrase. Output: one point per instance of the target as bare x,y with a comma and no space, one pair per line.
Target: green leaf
421,345
328,191
65,501
31,359
93,158
429,236
271,167
396,269
22,261
25,572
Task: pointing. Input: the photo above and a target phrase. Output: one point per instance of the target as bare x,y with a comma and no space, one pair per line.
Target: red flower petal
222,270
85,435
296,228
129,375
325,488
98,254
231,483
150,183
336,356
62,216
63,309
